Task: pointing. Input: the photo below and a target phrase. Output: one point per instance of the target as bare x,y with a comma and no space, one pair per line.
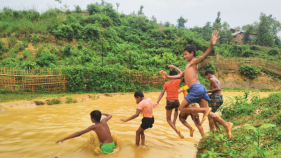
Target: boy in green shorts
102,130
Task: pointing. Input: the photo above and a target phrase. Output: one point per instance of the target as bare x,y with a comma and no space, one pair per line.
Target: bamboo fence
233,64
33,80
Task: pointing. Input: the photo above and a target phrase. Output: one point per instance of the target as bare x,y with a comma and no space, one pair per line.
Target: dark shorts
215,102
194,117
172,105
147,122
195,93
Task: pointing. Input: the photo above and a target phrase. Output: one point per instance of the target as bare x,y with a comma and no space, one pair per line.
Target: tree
218,19
167,24
117,5
246,37
140,12
181,22
265,33
153,18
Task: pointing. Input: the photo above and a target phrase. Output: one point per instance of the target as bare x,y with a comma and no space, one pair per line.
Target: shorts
195,93
108,147
215,102
147,122
194,117
172,105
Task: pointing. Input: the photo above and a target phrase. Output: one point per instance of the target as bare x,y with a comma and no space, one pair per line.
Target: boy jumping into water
194,116
102,130
197,93
144,105
172,87
216,97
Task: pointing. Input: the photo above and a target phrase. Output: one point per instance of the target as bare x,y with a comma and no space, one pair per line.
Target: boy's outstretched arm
174,67
159,98
77,134
164,75
108,116
132,117
213,41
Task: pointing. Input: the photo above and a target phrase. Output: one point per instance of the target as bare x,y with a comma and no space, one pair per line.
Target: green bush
93,9
248,53
69,100
274,51
28,65
46,60
91,32
278,119
80,44
77,9
26,53
39,102
255,47
64,32
66,50
249,70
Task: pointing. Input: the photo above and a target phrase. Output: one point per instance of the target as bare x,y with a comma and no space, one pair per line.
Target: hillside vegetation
101,38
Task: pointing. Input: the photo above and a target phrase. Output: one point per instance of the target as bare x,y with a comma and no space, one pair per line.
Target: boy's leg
198,124
217,125
182,118
203,108
175,116
226,125
168,118
142,138
138,134
211,123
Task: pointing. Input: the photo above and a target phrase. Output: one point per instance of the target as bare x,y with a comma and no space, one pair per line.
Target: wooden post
33,88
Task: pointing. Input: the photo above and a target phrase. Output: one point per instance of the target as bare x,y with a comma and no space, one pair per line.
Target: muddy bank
238,80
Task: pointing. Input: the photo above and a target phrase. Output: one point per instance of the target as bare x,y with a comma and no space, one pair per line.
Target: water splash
94,144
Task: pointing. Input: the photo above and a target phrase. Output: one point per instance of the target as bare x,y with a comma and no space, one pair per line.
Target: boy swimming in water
197,93
144,105
172,101
102,130
194,116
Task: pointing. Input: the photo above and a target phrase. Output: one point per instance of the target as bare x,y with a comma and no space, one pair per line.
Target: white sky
198,12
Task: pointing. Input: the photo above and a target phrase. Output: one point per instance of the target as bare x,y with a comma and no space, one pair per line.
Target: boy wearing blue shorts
197,93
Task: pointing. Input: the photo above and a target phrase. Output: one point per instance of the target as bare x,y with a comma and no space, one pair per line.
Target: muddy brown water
31,132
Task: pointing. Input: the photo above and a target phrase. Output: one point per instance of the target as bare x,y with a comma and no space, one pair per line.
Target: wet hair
191,48
173,72
183,81
138,93
96,114
209,72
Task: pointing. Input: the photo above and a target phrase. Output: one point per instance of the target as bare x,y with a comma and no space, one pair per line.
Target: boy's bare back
103,131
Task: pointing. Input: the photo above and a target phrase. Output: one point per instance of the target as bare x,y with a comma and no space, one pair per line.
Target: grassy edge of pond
256,132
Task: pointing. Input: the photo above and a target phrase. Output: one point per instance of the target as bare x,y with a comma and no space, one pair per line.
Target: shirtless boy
197,93
172,101
102,130
194,116
216,97
144,105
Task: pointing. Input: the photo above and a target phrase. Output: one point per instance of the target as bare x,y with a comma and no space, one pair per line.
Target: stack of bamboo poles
33,80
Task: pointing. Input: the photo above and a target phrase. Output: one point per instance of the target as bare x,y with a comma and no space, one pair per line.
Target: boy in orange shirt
171,87
144,105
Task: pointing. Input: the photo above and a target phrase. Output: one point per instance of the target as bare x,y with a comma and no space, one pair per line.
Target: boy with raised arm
172,101
194,116
144,105
102,130
197,93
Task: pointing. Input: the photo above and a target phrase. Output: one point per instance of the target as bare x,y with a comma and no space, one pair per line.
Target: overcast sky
198,12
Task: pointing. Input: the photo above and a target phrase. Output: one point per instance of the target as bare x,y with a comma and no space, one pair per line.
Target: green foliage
77,9
46,60
256,136
249,70
248,53
80,44
93,8
26,53
64,32
70,100
53,101
278,118
274,51
28,65
255,47
39,102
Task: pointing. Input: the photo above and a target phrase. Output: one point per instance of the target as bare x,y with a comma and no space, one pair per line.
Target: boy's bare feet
228,130
179,133
206,115
191,132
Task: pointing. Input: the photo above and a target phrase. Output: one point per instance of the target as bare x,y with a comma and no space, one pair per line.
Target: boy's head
183,82
95,116
209,73
189,52
173,72
138,96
